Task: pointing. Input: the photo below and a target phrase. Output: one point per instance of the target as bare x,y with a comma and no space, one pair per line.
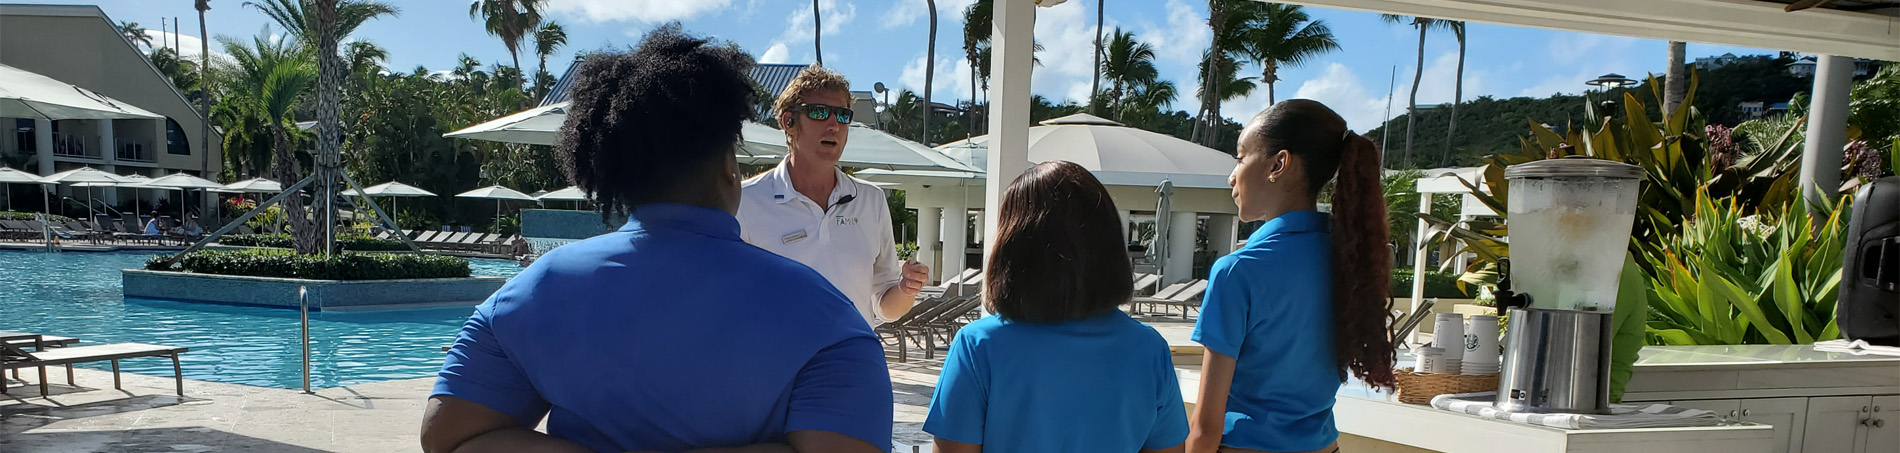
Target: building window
175,140
23,140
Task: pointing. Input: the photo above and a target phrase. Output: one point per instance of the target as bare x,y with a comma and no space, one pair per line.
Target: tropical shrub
1437,285
1736,277
13,215
359,243
284,263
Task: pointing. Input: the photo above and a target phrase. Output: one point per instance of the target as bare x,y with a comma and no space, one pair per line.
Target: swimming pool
77,294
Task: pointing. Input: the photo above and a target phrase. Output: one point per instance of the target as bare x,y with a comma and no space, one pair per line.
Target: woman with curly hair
671,334
1289,315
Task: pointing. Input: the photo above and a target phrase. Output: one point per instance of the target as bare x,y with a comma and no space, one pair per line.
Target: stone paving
376,417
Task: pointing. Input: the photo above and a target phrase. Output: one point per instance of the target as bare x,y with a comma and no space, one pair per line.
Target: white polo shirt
851,245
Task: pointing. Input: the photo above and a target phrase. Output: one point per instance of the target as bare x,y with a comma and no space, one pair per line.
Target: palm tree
204,102
1284,36
269,78
818,51
365,57
1411,113
1675,82
133,32
1095,85
548,39
510,20
1126,62
1230,20
298,20
930,62
1457,28
1144,101
1225,80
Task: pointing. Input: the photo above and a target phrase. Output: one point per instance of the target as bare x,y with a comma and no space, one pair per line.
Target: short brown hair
812,78
1059,254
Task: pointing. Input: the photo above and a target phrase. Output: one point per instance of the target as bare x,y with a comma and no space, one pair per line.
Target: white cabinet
1788,415
1853,424
1883,425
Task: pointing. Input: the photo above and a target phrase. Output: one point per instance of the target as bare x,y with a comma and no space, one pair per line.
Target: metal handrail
303,304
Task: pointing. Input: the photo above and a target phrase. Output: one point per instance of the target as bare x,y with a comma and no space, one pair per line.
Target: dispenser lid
1574,166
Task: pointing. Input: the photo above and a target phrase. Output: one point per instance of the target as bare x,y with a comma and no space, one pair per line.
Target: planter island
349,281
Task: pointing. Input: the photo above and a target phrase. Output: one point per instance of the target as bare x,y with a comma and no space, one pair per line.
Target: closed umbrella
1164,216
498,193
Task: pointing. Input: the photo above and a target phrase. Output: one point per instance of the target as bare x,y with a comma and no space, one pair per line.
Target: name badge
794,237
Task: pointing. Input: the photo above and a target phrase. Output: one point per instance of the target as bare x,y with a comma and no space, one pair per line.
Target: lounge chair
13,229
1144,281
930,316
14,358
1187,297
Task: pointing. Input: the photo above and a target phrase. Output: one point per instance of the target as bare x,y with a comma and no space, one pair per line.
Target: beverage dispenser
1570,222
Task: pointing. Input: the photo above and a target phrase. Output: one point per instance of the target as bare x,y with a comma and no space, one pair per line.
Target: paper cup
1430,359
1481,340
1449,333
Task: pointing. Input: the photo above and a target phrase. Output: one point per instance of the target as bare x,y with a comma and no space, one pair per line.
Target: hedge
14,215
354,242
287,264
1437,285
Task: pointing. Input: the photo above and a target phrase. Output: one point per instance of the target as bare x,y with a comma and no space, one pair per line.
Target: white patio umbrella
255,185
83,175
9,177
571,193
28,95
498,193
1117,155
133,181
183,182
761,144
395,190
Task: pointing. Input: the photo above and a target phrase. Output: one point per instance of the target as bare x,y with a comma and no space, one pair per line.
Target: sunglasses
821,112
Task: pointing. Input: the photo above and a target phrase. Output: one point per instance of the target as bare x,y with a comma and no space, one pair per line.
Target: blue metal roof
772,77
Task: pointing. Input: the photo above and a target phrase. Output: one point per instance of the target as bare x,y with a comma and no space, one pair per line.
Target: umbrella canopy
183,181
82,174
28,95
1116,154
254,185
11,176
568,194
495,192
396,189
762,144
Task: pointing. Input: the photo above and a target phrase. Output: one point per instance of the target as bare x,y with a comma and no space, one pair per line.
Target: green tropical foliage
135,33
510,20
284,263
358,243
1283,36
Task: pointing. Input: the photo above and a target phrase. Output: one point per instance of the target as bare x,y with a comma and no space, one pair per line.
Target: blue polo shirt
1269,305
1103,383
672,334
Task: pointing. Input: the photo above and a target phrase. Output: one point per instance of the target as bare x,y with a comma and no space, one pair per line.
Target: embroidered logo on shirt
842,220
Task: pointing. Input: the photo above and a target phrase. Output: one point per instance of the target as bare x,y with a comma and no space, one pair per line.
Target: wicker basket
1419,388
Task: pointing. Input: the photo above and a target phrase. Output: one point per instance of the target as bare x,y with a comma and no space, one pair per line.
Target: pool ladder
303,307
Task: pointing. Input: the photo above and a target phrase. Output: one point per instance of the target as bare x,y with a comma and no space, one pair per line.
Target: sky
885,41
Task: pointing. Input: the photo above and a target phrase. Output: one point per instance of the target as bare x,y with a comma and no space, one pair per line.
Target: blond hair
812,78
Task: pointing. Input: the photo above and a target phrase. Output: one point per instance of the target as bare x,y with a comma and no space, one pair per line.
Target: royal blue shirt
1103,383
672,334
1269,305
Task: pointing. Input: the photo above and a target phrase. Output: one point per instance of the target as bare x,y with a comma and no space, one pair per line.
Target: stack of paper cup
1430,359
1449,334
1481,345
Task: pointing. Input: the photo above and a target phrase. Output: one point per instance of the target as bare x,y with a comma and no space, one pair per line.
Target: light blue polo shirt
1103,383
1269,305
672,334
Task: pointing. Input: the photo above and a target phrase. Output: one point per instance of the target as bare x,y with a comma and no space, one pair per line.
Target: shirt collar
782,191
683,217
1292,222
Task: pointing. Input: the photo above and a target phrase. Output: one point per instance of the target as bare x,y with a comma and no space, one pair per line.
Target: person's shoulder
763,179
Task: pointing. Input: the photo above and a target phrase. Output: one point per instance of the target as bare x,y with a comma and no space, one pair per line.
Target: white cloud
777,53
1337,87
1067,34
834,13
1183,39
646,11
903,13
953,78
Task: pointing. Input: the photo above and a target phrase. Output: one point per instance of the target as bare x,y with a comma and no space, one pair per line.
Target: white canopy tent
28,95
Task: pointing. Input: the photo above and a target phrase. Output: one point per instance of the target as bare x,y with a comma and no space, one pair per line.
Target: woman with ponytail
1303,303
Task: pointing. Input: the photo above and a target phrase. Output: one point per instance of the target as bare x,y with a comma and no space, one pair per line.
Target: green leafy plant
1437,285
359,243
13,215
284,263
1732,277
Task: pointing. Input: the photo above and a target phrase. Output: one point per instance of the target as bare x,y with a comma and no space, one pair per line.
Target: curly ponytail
1362,266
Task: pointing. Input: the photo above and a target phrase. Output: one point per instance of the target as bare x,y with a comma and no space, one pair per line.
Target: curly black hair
646,126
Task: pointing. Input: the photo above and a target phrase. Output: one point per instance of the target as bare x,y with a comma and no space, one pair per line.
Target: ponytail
1362,267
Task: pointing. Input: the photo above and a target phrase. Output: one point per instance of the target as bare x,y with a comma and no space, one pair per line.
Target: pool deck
377,417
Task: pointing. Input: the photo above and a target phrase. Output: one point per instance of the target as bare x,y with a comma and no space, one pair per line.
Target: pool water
77,294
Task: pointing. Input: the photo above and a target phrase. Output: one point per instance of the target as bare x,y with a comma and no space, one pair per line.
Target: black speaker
1869,308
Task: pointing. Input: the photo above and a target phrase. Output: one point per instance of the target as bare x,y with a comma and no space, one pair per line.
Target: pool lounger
19,358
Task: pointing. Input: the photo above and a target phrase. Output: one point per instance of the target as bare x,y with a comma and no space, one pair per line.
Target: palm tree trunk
1411,115
1457,97
818,51
1676,85
512,55
1214,120
930,65
329,140
204,91
1095,86
1210,89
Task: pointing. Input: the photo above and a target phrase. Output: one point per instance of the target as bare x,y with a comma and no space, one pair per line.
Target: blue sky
884,41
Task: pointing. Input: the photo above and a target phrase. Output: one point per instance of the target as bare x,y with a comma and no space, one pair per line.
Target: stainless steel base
1556,361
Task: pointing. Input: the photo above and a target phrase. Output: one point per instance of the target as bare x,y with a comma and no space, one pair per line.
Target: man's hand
915,276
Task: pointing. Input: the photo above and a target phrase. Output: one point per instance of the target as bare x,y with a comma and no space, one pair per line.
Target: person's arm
950,446
897,286
453,424
1210,414
841,400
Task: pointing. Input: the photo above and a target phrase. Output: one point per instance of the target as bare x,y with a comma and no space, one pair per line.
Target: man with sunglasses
808,210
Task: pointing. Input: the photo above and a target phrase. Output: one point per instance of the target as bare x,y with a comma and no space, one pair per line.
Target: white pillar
1180,265
1124,216
956,216
43,143
1221,230
109,151
1012,42
1827,129
977,215
929,223
1418,259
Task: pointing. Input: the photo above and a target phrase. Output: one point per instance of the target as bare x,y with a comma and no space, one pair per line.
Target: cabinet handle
1878,422
1731,414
